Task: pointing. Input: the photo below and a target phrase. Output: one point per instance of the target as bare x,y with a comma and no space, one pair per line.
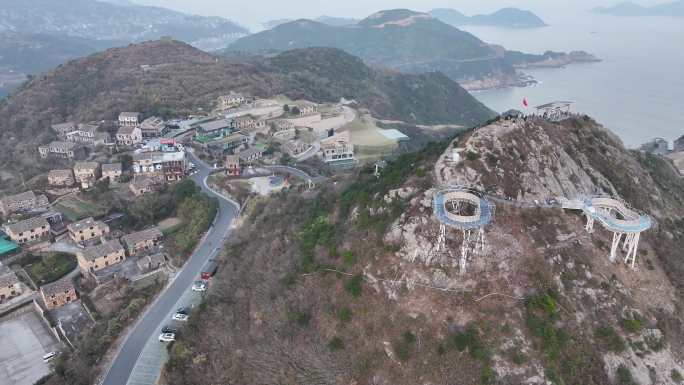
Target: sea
637,90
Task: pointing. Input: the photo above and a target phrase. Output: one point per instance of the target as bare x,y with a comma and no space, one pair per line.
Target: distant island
505,17
629,9
329,20
411,42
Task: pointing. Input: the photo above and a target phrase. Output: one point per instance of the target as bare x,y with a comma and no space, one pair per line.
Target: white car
199,286
50,356
167,337
180,317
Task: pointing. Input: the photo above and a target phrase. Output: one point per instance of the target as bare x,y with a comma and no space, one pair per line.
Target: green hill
171,78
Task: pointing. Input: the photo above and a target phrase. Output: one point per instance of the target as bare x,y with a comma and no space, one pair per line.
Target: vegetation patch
50,268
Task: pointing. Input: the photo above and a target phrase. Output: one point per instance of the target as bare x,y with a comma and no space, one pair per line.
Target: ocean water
637,90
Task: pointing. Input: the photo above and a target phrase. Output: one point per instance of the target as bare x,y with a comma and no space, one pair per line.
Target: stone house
98,257
62,129
233,165
306,108
130,119
141,241
151,262
282,125
112,171
87,134
169,166
143,184
62,150
251,155
10,285
25,201
246,122
28,230
61,178
87,229
128,135
153,127
337,148
58,294
86,173
231,100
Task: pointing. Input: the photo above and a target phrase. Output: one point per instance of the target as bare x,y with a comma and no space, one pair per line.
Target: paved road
149,326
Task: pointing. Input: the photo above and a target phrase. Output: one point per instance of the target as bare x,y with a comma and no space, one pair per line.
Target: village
66,252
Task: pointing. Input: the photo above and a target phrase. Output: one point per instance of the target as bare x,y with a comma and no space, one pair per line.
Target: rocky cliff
346,286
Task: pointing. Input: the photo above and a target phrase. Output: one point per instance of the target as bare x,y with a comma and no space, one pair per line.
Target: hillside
671,9
178,79
345,286
505,17
403,40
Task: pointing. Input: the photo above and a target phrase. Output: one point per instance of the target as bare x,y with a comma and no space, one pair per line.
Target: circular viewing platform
462,208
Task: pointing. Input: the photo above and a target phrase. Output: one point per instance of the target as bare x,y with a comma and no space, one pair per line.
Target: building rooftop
215,125
111,167
24,196
244,154
84,224
86,165
60,174
94,252
61,145
57,287
8,278
145,235
128,114
26,225
64,127
126,130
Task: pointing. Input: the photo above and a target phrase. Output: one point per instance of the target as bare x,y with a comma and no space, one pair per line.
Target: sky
254,12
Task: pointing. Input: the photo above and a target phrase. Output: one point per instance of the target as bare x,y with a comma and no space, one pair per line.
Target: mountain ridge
407,41
631,9
505,17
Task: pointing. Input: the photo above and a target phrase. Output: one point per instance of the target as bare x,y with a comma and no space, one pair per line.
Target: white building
337,148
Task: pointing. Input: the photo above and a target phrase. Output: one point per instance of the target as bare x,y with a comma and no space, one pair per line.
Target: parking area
25,339
154,354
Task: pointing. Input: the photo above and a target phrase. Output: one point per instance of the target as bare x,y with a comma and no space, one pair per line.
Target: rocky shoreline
520,79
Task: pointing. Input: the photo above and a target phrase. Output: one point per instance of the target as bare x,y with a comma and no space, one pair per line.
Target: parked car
183,310
209,270
167,337
180,317
199,286
169,330
49,356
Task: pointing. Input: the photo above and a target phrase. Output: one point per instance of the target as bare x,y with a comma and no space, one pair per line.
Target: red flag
525,102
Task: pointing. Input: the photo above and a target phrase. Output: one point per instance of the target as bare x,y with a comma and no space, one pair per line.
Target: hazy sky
252,13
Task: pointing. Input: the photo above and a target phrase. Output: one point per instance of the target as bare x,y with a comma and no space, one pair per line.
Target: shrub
336,344
353,285
676,376
344,314
623,376
631,325
609,339
300,317
472,156
402,348
348,258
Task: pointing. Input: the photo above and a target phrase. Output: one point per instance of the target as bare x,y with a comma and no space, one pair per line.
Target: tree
295,110
126,161
286,108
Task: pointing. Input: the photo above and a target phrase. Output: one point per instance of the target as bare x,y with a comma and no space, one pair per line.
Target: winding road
141,355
